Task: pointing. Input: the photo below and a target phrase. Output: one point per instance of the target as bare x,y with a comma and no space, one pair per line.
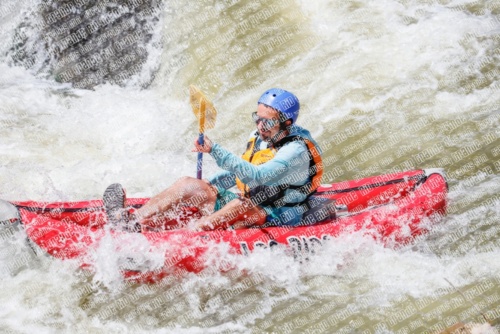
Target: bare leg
239,213
186,190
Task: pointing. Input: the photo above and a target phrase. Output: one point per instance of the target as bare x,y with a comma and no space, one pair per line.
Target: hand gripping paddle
206,113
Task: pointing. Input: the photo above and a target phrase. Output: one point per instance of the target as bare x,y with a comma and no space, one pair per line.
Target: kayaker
277,173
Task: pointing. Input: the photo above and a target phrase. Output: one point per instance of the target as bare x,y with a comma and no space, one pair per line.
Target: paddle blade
209,114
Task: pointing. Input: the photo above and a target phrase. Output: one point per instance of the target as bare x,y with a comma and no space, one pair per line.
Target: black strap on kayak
420,178
44,209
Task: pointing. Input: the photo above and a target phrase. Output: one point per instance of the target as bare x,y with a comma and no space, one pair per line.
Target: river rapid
384,86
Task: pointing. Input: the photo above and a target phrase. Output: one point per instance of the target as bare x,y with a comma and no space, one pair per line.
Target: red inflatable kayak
391,208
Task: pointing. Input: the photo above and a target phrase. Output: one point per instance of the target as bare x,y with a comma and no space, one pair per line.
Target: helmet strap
282,133
277,137
284,129
284,126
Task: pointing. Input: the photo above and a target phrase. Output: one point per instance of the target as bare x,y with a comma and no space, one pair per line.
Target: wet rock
88,42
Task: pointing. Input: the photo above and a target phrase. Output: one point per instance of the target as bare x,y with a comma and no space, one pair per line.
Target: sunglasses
267,124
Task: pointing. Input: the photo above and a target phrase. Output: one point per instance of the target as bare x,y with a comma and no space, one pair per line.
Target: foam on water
387,63
72,137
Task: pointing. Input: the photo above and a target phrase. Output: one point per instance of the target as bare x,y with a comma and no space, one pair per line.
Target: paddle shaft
199,164
205,112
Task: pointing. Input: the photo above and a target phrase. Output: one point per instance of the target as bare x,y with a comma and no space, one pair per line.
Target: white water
382,66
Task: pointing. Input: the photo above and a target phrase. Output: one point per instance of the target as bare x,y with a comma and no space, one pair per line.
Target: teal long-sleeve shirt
290,165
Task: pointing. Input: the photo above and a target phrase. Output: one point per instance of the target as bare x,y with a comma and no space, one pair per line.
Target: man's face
265,132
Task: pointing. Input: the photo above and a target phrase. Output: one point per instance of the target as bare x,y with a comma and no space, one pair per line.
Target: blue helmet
283,101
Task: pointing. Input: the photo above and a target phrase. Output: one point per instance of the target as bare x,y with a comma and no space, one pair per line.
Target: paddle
206,113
